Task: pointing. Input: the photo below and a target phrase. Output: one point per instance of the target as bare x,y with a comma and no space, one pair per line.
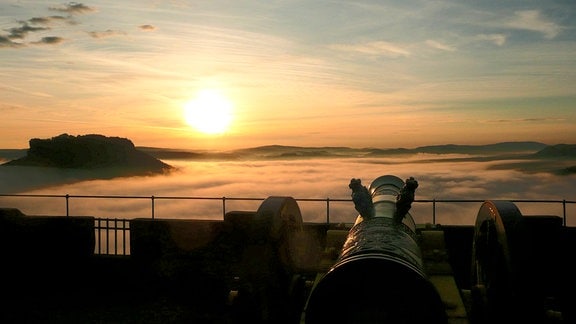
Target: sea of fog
441,179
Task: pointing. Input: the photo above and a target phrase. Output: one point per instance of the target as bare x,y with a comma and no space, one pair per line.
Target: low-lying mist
306,178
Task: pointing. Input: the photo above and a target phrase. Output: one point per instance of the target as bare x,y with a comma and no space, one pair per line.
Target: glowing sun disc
210,112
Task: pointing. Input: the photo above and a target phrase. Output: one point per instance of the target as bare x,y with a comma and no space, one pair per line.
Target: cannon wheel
270,262
500,264
283,222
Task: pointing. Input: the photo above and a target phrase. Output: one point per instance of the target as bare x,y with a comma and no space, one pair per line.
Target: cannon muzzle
378,276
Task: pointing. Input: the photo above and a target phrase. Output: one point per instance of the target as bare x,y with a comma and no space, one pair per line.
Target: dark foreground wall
185,271
44,260
45,238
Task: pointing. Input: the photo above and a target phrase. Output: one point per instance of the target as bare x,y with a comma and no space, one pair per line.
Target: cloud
378,48
13,89
4,107
49,40
73,8
45,20
497,39
147,27
22,31
440,46
106,33
532,20
37,24
7,42
526,120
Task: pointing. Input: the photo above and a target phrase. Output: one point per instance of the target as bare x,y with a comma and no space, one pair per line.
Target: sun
210,112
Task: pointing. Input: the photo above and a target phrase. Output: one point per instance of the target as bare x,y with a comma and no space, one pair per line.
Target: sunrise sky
309,73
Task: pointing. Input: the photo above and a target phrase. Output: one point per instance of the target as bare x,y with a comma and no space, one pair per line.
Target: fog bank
311,178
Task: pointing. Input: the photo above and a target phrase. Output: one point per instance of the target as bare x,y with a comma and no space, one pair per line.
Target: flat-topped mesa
89,152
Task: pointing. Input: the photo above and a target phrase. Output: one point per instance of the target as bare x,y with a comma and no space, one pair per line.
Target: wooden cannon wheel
500,264
281,222
270,262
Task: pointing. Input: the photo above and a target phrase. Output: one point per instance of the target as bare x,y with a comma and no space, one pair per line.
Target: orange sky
312,74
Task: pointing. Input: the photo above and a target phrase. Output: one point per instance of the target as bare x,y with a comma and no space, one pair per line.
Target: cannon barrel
378,276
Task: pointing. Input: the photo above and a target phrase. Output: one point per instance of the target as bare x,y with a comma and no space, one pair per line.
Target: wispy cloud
440,46
12,89
31,26
147,27
497,39
376,48
6,42
46,20
22,31
49,40
525,120
73,8
533,20
42,24
106,33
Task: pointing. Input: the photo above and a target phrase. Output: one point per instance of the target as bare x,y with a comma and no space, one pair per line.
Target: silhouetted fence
113,234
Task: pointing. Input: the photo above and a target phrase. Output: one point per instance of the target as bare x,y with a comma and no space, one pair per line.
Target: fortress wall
46,237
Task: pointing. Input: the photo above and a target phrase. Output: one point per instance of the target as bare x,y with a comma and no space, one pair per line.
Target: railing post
223,207
152,198
97,234
67,205
107,236
115,236
434,211
328,211
123,236
564,211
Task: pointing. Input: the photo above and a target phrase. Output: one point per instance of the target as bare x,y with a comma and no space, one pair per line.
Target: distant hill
567,171
89,152
299,152
504,147
178,154
279,151
560,152
12,154
557,151
96,157
530,157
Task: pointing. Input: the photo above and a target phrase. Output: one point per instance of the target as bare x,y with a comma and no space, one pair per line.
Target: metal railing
112,234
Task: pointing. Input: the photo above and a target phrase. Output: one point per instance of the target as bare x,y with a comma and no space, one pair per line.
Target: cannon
378,276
